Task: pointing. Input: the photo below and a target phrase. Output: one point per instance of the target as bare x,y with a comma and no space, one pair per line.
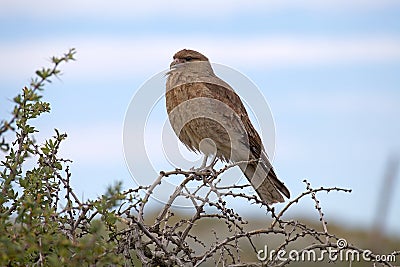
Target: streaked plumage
201,106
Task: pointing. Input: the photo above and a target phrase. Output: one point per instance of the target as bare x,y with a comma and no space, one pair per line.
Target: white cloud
101,56
341,102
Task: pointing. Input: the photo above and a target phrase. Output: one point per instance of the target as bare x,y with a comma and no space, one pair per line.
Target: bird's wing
228,96
269,184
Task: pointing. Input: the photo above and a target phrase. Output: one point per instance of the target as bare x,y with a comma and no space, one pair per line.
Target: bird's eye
188,58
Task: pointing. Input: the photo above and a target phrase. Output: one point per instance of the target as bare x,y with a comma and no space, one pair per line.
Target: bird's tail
262,177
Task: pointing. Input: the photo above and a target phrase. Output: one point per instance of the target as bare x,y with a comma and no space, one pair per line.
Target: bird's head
187,56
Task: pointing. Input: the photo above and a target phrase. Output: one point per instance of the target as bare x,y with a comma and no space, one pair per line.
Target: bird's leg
204,162
213,162
210,167
204,166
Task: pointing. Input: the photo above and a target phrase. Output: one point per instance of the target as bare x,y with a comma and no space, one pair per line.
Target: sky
328,70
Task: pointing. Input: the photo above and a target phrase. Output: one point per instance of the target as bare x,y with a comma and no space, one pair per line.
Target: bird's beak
176,61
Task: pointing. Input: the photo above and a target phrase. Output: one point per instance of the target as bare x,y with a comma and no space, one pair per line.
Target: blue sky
328,69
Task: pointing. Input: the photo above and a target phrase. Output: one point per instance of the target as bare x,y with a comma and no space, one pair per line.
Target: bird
209,117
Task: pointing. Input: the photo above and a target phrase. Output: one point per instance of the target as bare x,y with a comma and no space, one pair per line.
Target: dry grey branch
173,239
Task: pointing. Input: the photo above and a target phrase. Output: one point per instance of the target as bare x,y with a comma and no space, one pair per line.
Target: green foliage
42,221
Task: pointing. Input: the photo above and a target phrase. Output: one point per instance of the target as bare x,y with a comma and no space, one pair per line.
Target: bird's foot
203,168
209,168
205,174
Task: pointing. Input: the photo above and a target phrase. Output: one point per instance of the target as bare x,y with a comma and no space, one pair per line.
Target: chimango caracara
209,117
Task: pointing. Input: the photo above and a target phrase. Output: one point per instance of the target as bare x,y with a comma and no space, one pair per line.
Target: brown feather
202,106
